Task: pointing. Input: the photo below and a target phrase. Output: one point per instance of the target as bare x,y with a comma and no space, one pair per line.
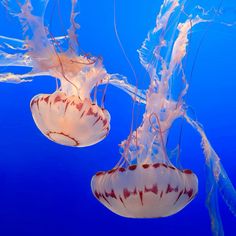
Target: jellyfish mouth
63,139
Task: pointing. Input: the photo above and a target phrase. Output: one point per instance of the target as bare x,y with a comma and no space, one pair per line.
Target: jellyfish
145,190
69,116
145,183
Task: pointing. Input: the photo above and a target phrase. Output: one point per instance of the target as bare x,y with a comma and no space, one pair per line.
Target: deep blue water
45,187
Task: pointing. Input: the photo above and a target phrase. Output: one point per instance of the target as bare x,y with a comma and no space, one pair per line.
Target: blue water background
45,187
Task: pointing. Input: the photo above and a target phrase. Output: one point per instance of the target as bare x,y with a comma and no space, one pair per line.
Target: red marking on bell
133,167
82,114
189,193
77,143
104,122
111,194
57,99
46,99
100,173
161,194
128,193
32,103
112,171
188,172
181,192
37,103
145,166
67,104
153,189
79,106
105,199
96,121
122,201
121,169
98,195
171,189
156,165
141,196
90,112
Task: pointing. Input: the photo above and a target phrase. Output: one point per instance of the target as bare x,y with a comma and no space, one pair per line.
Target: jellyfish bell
69,116
145,190
68,120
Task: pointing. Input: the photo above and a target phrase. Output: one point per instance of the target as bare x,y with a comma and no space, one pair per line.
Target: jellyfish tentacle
18,78
19,44
16,60
73,37
23,10
14,52
227,190
217,179
212,200
12,43
121,82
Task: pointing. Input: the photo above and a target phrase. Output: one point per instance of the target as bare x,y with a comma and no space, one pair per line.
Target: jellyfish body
145,184
68,120
145,191
69,116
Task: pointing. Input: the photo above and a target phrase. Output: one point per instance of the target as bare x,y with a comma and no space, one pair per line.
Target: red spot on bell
189,193
127,193
156,165
171,189
57,99
111,194
90,112
153,189
79,106
46,99
145,166
111,171
100,173
121,169
188,172
133,167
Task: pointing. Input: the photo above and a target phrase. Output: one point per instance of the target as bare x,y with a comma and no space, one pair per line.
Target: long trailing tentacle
218,180
18,78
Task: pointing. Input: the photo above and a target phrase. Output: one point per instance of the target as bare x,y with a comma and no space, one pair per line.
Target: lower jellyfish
69,116
145,183
145,190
